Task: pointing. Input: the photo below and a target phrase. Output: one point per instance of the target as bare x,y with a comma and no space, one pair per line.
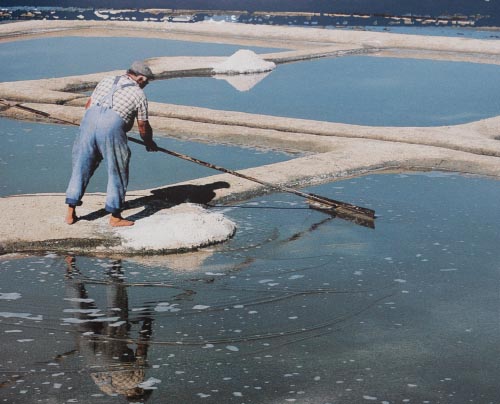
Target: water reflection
297,307
359,90
243,82
103,342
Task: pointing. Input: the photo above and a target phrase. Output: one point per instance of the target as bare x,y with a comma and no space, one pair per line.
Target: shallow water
50,145
68,56
356,90
296,308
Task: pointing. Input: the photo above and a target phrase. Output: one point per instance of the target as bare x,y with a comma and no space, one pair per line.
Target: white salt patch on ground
83,311
27,316
185,226
244,61
78,300
149,384
203,395
167,307
103,16
10,296
95,320
200,307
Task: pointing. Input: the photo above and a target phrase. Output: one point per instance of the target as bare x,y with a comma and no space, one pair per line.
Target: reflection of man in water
106,347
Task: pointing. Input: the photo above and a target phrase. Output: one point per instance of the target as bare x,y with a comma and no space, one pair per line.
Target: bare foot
71,217
118,221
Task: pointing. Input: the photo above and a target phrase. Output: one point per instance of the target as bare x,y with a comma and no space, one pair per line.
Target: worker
110,112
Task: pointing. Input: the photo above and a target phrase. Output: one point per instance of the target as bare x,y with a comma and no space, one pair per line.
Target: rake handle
353,209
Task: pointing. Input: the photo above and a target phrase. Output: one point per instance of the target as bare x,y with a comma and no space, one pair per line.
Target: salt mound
243,61
186,226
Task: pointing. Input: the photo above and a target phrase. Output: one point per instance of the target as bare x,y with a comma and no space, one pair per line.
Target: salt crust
186,226
244,61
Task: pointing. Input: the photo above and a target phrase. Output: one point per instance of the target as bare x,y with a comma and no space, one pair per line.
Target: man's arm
146,132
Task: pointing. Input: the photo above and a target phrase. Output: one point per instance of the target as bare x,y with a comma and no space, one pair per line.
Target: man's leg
71,217
86,158
117,155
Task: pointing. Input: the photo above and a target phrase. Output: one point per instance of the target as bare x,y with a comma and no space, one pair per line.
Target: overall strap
109,97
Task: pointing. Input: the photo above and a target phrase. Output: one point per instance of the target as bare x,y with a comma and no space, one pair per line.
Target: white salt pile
243,61
185,226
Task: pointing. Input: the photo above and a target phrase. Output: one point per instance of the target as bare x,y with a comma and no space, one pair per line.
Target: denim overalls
102,135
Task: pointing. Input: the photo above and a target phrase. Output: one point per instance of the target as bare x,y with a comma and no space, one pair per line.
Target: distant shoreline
284,18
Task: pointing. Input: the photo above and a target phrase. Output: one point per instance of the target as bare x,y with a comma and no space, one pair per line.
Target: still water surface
296,308
69,56
358,90
50,145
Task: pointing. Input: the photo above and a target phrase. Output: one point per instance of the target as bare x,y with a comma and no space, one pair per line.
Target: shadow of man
201,194
165,198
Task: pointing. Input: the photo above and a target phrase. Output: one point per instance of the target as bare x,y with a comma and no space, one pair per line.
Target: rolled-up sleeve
142,109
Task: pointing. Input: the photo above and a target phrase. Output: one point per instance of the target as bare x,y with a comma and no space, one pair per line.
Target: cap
141,68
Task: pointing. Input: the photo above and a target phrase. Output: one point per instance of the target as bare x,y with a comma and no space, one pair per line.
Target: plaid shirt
129,102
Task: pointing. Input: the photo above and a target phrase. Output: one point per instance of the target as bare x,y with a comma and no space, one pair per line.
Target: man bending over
110,113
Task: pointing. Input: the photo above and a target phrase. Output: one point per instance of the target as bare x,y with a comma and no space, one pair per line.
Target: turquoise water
37,158
298,307
67,56
355,90
358,90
